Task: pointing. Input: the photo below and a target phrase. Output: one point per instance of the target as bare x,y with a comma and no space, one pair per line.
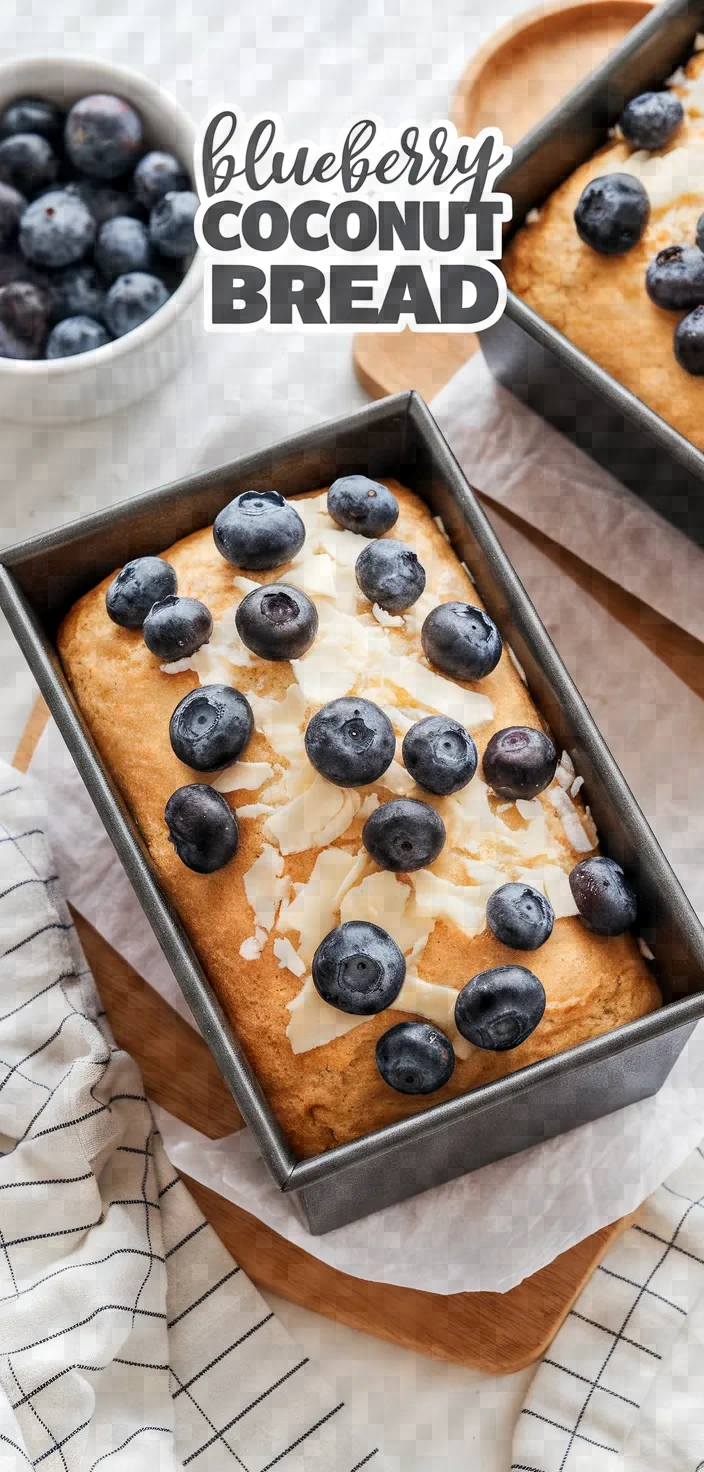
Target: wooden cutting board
512,81
493,1332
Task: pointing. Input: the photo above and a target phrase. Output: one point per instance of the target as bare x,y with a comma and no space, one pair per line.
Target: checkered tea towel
622,1384
129,1339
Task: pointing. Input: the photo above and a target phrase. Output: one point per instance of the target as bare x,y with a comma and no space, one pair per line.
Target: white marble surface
306,59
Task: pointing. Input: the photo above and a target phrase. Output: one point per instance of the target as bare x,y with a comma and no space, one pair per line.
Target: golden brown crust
600,302
333,1093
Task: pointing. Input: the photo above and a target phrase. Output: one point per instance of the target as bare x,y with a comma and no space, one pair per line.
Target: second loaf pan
531,357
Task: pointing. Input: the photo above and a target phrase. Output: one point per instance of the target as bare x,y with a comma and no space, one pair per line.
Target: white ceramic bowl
108,378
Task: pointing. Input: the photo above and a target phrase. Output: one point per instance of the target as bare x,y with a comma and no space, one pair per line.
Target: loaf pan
529,356
40,579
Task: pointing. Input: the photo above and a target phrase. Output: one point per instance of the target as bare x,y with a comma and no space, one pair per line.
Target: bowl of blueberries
100,276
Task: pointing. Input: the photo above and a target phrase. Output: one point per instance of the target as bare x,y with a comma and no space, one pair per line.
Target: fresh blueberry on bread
461,640
277,621
350,741
498,1009
258,530
520,916
519,761
415,1058
440,755
390,574
137,587
358,968
211,727
603,895
404,834
362,505
202,828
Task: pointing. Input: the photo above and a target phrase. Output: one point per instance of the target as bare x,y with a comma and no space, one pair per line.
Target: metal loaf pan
40,579
531,357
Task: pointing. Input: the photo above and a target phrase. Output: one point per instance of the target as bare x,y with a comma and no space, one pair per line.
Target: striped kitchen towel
129,1338
622,1385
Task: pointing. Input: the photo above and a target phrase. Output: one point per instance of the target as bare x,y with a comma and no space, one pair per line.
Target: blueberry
415,1058
651,120
13,267
520,916
175,627
362,505
689,342
12,206
519,761
158,174
33,115
358,968
102,200
132,299
24,312
258,530
139,584
277,621
77,292
350,741
612,213
210,727
390,574
675,279
27,162
74,335
603,896
440,755
499,1009
12,346
403,835
700,232
202,828
103,136
461,640
56,229
122,245
171,224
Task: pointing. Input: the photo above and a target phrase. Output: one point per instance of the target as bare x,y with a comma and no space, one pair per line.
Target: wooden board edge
27,744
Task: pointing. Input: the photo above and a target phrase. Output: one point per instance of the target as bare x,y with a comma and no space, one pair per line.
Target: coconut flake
565,772
255,810
248,776
643,946
315,818
386,619
574,830
288,959
251,949
576,785
265,886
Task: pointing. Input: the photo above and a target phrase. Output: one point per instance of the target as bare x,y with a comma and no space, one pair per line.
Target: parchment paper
489,1230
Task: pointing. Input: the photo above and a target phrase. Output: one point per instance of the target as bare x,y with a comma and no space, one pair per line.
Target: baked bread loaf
301,867
599,301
